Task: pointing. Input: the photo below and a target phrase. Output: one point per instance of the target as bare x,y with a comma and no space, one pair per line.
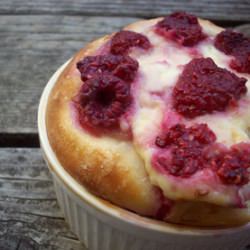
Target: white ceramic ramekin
102,226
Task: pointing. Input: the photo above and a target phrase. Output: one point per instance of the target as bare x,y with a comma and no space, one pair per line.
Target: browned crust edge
105,172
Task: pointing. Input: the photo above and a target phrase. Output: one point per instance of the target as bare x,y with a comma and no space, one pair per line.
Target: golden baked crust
113,169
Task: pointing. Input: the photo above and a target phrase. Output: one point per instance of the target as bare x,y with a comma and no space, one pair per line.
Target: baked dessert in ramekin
155,119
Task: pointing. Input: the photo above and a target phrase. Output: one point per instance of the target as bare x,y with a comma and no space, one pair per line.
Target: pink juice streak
165,207
207,176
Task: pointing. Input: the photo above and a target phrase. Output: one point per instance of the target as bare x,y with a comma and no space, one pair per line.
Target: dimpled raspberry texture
102,100
123,67
232,165
124,40
186,146
235,44
203,88
194,148
181,27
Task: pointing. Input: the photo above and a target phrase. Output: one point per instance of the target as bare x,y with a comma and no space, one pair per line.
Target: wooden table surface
36,37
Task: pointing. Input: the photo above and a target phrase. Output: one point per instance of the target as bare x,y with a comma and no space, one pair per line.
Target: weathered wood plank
31,48
30,218
29,214
234,10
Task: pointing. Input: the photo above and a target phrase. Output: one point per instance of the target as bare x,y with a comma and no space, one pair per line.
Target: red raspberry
122,41
186,145
204,88
123,67
233,165
194,148
228,40
181,27
237,45
102,100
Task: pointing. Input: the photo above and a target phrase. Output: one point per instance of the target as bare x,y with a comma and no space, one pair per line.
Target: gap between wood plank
19,140
223,23
222,10
30,140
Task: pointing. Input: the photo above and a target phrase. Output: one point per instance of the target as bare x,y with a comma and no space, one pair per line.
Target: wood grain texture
31,49
29,215
234,10
30,218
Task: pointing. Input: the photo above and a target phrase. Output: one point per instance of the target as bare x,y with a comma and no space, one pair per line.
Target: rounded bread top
155,119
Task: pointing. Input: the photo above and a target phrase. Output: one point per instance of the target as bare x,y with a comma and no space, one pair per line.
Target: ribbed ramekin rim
95,202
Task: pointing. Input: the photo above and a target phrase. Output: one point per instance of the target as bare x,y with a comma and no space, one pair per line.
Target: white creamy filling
160,69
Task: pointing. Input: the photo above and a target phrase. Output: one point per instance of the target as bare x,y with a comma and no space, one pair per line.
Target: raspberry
232,165
193,148
160,142
227,40
102,100
124,40
237,45
123,67
203,88
181,27
186,146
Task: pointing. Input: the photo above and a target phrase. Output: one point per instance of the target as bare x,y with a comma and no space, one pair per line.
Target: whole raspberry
228,40
120,66
182,28
102,100
203,88
122,41
237,45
